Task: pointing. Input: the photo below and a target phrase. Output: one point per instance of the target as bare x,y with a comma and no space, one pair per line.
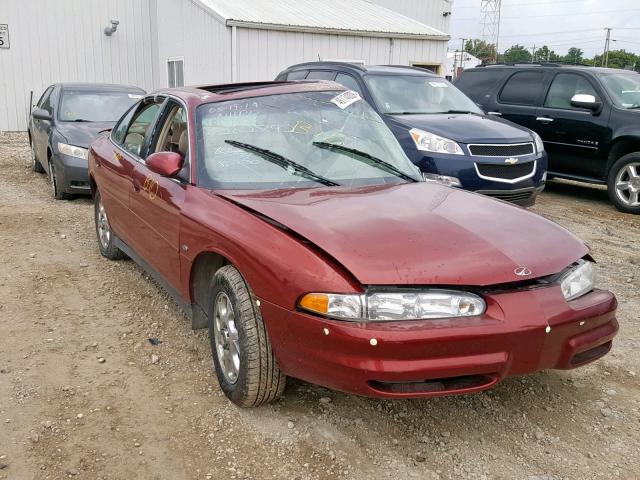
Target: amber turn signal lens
315,302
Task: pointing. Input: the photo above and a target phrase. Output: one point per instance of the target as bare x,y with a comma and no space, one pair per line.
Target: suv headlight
539,142
579,280
429,142
394,306
72,151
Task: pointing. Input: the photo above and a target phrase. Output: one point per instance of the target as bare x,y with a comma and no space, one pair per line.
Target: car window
83,105
523,88
624,88
120,130
321,75
174,136
476,84
564,87
349,82
47,103
44,97
297,75
139,127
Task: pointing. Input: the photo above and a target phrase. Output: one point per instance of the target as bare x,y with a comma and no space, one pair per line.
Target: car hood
465,128
81,134
419,234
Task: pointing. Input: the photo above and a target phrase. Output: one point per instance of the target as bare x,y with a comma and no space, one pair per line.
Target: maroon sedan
287,219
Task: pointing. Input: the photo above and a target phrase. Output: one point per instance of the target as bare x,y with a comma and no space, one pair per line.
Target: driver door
155,202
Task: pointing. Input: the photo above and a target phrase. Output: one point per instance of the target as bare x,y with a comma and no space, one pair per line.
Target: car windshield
297,140
624,88
94,106
415,94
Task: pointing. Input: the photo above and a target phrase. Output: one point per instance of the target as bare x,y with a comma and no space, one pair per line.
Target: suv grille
506,172
501,150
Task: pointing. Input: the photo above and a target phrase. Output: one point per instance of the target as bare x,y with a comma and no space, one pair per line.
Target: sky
560,24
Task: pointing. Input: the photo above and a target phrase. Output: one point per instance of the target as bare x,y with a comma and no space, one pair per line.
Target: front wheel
58,194
245,365
104,234
624,183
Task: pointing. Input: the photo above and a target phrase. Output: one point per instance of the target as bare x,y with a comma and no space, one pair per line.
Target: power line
524,17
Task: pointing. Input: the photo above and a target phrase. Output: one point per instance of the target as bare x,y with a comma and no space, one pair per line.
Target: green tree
574,56
619,59
517,54
544,54
480,49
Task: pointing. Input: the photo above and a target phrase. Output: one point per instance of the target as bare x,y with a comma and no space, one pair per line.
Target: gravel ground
84,394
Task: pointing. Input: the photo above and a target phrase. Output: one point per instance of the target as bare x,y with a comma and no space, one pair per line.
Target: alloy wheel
628,184
226,337
104,230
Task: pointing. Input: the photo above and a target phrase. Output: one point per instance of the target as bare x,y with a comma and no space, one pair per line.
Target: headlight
72,151
428,142
394,306
539,142
442,179
578,281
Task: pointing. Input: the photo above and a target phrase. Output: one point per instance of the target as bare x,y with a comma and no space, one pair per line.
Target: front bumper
72,174
522,332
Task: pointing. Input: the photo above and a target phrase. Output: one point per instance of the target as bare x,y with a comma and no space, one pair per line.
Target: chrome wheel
227,342
104,230
628,184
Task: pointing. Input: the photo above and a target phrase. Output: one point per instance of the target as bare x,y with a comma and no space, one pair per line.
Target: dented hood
419,233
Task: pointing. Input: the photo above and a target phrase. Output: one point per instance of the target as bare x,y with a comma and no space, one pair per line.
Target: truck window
564,87
478,83
523,88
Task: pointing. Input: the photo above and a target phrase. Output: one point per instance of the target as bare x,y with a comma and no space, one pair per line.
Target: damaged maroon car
286,218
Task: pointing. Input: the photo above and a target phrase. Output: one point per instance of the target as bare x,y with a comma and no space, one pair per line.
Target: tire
623,183
36,166
104,234
245,365
53,179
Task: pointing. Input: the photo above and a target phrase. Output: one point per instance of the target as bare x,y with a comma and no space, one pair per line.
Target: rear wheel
104,234
58,194
245,365
36,166
624,183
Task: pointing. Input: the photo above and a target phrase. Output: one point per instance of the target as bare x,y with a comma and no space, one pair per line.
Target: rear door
521,95
573,136
155,202
42,128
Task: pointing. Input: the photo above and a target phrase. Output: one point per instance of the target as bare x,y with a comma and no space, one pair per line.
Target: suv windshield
296,140
413,94
88,106
624,88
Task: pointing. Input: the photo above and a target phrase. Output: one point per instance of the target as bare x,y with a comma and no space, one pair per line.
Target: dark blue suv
442,131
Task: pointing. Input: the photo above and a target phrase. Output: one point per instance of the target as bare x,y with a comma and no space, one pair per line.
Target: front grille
506,172
505,150
512,197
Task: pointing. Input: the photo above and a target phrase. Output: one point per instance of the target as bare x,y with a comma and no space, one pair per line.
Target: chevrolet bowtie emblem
511,161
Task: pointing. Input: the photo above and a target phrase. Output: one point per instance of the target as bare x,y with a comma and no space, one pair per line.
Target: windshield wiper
366,158
462,111
285,163
79,120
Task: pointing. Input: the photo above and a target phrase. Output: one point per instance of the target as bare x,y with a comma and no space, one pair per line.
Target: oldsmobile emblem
522,271
511,161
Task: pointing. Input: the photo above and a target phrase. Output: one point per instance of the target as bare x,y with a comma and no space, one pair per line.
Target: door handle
544,119
497,114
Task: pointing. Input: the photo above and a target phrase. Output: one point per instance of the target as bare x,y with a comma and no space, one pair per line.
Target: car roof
236,91
533,66
361,69
102,87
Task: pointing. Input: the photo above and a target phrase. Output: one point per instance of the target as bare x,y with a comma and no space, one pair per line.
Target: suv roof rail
357,66
538,64
411,67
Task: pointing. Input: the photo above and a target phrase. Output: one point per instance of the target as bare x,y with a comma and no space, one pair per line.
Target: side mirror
166,164
589,102
41,114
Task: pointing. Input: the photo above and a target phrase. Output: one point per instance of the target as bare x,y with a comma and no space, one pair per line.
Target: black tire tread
263,380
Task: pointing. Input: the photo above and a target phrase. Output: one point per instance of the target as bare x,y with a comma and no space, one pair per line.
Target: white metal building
458,61
159,43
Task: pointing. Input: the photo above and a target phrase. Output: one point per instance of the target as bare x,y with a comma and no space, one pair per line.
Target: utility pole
607,43
533,54
461,57
490,24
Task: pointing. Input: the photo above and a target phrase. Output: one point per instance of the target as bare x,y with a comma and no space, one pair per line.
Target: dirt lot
81,397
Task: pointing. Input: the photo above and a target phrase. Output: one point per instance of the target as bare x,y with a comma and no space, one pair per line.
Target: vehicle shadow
579,191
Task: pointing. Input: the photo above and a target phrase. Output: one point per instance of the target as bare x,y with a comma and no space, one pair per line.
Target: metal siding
428,12
63,41
262,54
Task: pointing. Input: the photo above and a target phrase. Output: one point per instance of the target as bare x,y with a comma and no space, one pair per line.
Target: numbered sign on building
4,35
